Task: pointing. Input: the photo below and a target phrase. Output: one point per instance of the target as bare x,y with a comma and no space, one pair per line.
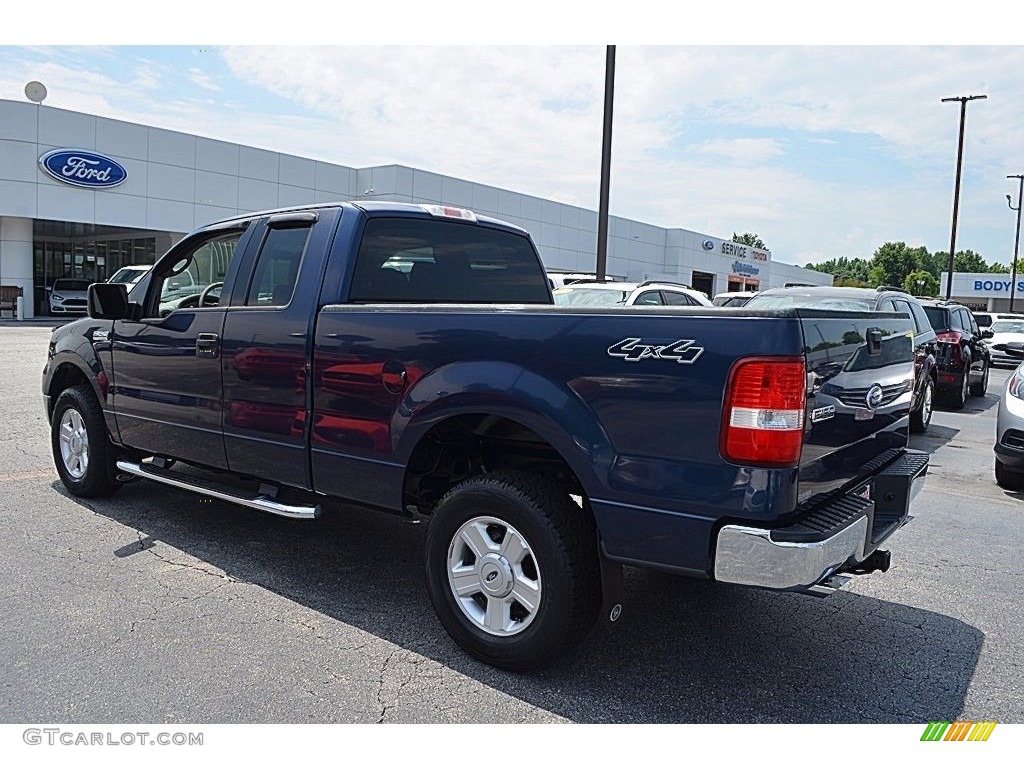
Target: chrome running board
261,502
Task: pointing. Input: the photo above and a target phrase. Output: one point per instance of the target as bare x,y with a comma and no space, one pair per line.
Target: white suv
617,294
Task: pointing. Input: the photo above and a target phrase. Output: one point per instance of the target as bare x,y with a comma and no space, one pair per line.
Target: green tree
891,264
846,271
968,261
749,238
921,283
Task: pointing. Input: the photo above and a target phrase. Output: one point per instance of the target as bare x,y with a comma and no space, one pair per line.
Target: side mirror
108,301
987,333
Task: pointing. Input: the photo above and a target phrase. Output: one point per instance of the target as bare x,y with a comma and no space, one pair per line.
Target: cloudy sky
821,150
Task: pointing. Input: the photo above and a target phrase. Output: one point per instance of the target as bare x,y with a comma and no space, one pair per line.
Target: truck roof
372,208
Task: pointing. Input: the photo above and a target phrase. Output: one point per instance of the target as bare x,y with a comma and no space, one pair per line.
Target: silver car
1005,331
1010,434
68,296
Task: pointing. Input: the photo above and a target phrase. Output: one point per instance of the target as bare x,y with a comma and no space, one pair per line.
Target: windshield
782,301
71,285
1008,326
590,297
127,274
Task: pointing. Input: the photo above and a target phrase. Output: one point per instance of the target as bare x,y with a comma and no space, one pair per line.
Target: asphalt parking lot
155,606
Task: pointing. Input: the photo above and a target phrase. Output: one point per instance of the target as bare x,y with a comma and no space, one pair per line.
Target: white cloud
699,132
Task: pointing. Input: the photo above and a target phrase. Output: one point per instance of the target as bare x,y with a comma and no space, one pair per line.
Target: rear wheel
922,417
978,390
512,569
1007,478
959,397
82,451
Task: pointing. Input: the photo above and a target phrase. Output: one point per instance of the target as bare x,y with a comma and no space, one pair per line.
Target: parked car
1005,332
1009,447
129,275
558,279
962,353
547,446
861,300
68,296
612,294
733,298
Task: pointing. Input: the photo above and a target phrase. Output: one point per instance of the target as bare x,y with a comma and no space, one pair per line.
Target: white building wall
177,182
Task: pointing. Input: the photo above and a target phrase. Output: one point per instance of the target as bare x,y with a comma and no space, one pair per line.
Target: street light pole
956,190
606,163
1016,242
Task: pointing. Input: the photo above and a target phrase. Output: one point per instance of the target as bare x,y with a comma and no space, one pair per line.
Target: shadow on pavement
685,651
936,437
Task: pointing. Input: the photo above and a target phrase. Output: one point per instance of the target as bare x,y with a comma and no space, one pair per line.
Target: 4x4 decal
682,351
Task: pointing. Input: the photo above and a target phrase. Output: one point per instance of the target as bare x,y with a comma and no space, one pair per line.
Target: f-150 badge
682,351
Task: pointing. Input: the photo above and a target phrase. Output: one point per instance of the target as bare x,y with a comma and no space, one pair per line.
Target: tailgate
860,385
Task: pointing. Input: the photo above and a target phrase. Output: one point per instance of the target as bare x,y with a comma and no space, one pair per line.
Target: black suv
870,300
962,355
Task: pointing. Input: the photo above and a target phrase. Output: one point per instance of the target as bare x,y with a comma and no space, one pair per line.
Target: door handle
207,345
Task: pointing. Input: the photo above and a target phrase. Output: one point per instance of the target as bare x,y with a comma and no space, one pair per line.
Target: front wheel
1010,479
82,451
512,569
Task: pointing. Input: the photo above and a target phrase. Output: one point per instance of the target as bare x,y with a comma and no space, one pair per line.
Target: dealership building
985,291
82,196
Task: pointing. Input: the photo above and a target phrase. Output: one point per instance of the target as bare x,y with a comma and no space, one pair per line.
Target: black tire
978,390
921,417
95,475
1007,478
562,543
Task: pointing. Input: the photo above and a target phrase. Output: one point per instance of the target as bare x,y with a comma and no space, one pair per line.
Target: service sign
83,168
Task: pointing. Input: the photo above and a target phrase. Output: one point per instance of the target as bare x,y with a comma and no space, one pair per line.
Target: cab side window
277,267
905,308
675,299
194,277
923,323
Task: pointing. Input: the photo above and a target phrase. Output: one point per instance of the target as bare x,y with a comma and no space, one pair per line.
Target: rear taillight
950,337
763,417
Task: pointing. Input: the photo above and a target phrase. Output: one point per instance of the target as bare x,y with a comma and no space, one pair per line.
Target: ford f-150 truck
410,358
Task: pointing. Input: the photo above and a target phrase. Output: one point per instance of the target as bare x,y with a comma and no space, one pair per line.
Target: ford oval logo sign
709,245
83,168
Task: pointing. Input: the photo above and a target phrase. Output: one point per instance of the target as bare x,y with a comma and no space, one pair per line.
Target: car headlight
1015,387
58,297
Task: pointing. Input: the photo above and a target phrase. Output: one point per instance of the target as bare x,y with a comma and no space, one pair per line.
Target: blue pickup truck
410,358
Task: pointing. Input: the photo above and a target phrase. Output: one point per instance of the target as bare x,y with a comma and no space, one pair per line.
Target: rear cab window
427,261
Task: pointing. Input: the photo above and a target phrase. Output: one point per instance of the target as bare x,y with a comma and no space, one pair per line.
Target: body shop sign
83,168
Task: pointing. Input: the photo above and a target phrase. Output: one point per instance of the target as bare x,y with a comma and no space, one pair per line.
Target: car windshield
574,296
786,300
1008,326
71,285
127,274
736,301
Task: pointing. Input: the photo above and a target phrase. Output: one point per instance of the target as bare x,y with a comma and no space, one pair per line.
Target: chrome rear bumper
837,533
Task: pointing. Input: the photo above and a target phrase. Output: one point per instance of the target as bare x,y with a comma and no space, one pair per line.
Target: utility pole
606,163
956,190
1016,242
